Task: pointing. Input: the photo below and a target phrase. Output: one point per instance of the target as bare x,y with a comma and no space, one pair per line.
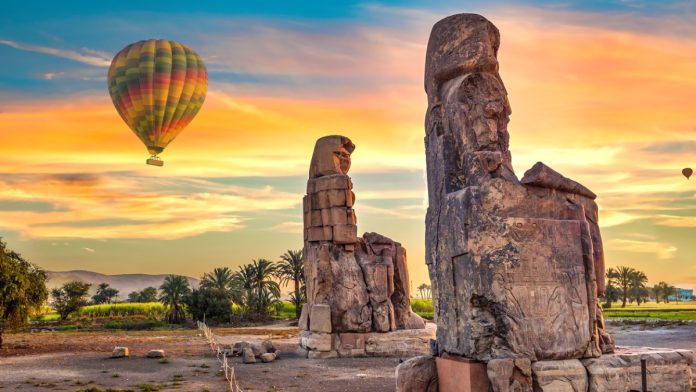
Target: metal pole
644,375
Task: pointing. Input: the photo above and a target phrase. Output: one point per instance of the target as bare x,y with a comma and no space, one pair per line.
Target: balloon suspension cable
154,160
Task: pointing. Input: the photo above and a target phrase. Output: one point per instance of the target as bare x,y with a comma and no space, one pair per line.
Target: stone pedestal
404,343
668,370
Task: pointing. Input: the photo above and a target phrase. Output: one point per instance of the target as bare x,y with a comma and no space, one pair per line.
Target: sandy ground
74,361
294,373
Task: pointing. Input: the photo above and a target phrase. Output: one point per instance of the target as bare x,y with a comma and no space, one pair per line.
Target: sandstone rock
248,355
316,341
510,375
303,322
268,346
418,374
267,357
354,284
559,376
401,343
322,354
516,266
667,370
543,176
155,354
120,352
320,318
258,349
239,347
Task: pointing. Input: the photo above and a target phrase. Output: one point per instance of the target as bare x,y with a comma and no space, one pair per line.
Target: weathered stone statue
356,286
516,265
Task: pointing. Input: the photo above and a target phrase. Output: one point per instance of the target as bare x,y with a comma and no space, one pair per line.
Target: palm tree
623,277
421,290
174,290
291,268
222,279
638,281
264,271
244,279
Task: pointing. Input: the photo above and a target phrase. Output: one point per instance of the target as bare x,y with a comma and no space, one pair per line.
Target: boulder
155,354
258,348
418,374
239,347
120,352
267,357
248,355
268,346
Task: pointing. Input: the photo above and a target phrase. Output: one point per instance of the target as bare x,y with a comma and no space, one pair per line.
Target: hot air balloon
687,172
157,86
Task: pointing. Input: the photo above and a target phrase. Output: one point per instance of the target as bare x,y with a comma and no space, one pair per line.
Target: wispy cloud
127,206
662,250
86,56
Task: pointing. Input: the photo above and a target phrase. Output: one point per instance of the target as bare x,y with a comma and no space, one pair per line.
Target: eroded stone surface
567,375
418,374
510,375
403,343
354,284
667,370
516,266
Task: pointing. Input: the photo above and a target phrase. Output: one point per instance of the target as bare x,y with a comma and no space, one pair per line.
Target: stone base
668,370
403,343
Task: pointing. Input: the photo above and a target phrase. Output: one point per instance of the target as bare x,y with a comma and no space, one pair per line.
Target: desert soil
73,361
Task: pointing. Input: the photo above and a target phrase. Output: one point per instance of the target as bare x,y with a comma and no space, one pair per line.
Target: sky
602,91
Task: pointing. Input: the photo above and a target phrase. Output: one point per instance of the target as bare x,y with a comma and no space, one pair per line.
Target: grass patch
135,324
679,311
149,387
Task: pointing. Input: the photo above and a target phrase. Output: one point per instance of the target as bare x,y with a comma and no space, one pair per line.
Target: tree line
248,293
628,284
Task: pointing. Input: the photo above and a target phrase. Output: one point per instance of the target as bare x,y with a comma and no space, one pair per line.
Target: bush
150,310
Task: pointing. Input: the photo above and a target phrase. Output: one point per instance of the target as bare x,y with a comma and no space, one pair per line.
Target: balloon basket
155,161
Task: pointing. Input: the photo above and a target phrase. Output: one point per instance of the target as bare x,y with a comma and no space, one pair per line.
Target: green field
653,311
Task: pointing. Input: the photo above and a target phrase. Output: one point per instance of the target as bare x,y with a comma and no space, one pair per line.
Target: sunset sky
602,91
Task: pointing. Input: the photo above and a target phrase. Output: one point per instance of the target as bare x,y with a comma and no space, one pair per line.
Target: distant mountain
124,283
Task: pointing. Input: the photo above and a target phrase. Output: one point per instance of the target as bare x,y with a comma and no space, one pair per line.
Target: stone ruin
358,293
516,265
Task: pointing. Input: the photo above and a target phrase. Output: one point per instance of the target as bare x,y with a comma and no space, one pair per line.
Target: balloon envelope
157,86
687,172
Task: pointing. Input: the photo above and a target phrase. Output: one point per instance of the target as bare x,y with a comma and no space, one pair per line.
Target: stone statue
356,286
516,266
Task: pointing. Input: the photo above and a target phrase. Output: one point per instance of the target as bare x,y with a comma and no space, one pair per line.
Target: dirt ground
77,361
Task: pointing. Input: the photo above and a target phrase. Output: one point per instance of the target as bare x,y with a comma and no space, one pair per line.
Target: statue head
467,101
331,156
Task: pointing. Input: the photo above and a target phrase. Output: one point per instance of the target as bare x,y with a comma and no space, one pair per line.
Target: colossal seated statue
516,265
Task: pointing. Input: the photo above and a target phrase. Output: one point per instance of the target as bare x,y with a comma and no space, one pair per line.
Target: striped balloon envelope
157,86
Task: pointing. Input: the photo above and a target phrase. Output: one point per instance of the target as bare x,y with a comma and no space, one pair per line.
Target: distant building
682,295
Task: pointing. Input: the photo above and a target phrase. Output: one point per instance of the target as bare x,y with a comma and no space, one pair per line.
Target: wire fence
221,356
